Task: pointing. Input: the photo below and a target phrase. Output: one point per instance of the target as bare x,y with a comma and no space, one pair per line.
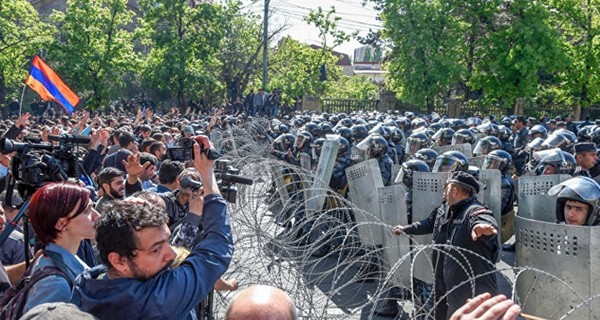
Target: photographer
137,281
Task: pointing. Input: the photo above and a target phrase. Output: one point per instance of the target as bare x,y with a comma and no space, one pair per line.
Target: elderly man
261,302
467,234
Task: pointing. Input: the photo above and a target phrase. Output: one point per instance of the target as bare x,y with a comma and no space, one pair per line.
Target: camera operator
133,241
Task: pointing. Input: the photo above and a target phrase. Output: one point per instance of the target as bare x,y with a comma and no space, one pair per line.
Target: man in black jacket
465,231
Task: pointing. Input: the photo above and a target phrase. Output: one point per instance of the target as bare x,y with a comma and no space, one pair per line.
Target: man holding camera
133,240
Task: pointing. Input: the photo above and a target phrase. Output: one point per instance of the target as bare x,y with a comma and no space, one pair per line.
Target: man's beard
115,194
138,275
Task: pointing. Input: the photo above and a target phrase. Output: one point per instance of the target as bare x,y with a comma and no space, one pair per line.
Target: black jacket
463,258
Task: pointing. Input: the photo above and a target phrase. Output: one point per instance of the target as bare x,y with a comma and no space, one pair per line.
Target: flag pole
21,102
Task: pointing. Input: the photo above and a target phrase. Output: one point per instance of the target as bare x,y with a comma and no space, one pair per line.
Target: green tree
22,35
522,48
183,41
579,25
424,40
92,49
295,68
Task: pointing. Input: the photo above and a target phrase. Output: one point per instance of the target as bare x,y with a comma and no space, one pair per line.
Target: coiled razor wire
317,257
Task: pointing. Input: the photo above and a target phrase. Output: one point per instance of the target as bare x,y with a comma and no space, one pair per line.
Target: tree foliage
22,35
183,42
356,87
295,68
92,48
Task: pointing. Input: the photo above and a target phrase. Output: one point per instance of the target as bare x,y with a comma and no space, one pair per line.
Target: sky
355,17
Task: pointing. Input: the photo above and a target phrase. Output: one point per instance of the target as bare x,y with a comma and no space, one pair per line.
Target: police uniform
519,142
385,166
452,225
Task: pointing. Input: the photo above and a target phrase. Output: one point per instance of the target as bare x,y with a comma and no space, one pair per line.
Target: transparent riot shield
364,179
534,201
561,269
465,148
396,249
428,193
318,192
492,191
305,161
395,170
477,161
357,155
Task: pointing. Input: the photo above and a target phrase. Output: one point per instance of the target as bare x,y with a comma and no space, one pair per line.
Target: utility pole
265,78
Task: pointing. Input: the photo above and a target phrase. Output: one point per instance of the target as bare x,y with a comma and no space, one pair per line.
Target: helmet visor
482,148
493,162
413,145
444,164
458,138
555,141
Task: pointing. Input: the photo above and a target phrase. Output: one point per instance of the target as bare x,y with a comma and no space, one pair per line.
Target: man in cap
466,232
586,157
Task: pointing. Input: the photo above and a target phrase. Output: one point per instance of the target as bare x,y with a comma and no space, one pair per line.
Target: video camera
184,151
37,163
226,176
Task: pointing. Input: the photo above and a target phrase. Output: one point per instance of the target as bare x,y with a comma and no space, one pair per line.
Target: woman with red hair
62,215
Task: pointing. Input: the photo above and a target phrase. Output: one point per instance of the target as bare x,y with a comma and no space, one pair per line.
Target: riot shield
492,191
305,161
428,193
317,194
465,148
477,161
357,155
364,179
569,259
534,201
392,205
395,170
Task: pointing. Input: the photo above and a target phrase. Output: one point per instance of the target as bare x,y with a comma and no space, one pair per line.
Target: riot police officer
577,201
501,160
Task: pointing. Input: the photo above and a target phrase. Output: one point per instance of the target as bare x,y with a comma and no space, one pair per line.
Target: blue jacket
171,294
54,288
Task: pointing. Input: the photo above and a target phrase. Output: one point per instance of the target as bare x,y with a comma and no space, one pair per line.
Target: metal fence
348,105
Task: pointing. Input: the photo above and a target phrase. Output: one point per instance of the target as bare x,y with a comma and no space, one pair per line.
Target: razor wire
317,257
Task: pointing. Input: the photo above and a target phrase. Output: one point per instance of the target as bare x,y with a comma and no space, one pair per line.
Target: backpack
13,300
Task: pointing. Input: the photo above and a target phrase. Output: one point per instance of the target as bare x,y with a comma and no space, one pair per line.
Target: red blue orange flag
43,80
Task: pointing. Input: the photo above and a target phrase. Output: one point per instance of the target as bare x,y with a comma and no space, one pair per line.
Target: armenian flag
43,80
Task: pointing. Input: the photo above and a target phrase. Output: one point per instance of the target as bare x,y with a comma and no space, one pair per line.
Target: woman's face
83,225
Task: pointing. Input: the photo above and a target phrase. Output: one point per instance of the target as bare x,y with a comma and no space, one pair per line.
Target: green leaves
22,35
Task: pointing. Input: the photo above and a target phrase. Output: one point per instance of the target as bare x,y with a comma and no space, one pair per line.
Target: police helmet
303,138
451,161
416,141
346,122
580,189
538,131
284,142
463,136
346,133
443,135
498,159
313,128
486,145
325,128
563,139
426,155
563,162
317,145
359,132
405,175
344,146
378,146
